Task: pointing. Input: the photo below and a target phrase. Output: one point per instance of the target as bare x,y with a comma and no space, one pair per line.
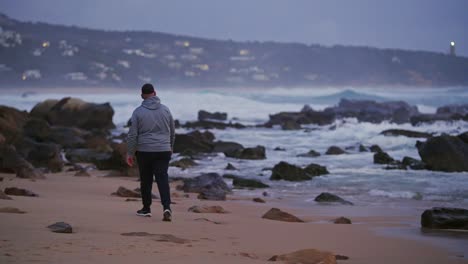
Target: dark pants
154,164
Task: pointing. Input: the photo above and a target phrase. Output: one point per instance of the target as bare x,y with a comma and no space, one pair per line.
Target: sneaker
144,212
167,215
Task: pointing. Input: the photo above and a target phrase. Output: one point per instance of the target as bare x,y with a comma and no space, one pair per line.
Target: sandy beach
239,236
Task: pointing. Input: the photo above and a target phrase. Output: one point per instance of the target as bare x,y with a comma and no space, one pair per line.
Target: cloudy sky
406,24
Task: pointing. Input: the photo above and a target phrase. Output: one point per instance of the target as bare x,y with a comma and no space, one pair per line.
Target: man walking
151,140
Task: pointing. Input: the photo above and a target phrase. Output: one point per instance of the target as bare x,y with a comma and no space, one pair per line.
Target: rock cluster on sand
278,215
445,218
19,192
289,172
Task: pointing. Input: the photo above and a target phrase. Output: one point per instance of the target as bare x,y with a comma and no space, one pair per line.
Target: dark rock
255,153
11,210
445,218
396,165
3,196
67,137
41,109
375,148
81,155
288,172
306,256
464,137
228,148
37,129
362,148
248,183
278,215
334,150
258,200
311,154
306,117
40,154
431,118
61,227
204,115
374,112
209,181
212,195
11,161
74,112
331,198
444,153
212,125
316,170
265,194
82,173
195,141
184,163
279,149
12,122
290,125
230,167
216,209
383,158
124,192
413,164
453,109
342,220
406,133
19,192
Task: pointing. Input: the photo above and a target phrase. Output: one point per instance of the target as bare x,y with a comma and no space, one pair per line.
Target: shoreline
242,236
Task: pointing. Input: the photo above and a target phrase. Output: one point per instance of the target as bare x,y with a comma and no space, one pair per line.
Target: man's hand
130,160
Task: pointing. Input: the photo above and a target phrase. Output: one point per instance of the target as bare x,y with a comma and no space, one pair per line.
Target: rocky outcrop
445,218
293,120
444,153
184,163
461,109
205,182
40,154
431,118
212,194
375,148
194,142
278,215
413,164
204,115
11,161
331,198
405,133
374,112
74,112
229,166
289,172
12,122
228,148
255,153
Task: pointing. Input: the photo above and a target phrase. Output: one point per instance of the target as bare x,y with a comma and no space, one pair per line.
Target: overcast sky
407,24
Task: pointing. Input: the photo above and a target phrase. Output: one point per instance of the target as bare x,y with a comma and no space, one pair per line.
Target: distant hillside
39,55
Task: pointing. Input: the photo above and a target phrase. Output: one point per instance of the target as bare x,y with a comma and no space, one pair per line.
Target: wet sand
240,236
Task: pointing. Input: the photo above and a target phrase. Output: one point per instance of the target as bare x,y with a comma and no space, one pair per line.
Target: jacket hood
151,103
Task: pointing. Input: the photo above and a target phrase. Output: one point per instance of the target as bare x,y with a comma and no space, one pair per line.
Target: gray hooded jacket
152,128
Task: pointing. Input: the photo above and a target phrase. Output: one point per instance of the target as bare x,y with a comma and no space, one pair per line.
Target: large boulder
240,182
293,120
413,163
453,109
289,172
76,112
227,147
316,170
444,153
311,154
12,122
41,109
204,115
383,158
334,150
255,153
67,137
445,218
195,141
37,129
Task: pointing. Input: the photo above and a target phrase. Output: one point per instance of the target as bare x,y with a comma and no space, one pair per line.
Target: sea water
353,176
